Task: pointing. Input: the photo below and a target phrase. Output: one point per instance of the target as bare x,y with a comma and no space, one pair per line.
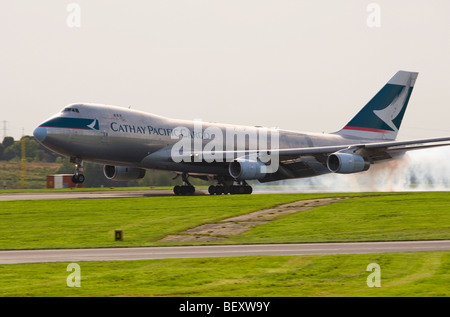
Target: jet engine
122,173
247,169
346,163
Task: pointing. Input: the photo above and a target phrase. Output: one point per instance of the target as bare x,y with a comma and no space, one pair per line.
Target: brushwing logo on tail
392,111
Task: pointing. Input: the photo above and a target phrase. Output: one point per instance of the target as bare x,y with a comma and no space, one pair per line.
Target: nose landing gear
78,177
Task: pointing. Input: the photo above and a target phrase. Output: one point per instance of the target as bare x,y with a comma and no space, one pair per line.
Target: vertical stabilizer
382,116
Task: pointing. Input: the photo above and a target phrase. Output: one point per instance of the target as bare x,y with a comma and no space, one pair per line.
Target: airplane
129,142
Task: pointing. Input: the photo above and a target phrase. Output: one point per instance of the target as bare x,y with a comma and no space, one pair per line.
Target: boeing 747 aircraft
128,142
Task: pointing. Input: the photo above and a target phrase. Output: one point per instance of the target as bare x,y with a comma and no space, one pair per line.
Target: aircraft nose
40,133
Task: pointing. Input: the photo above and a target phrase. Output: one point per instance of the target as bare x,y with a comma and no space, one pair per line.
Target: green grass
80,223
402,274
404,216
77,223
36,172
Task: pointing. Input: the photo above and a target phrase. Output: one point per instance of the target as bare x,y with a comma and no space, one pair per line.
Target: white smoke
420,170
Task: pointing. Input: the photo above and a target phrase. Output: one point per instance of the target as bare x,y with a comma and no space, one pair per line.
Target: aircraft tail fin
382,116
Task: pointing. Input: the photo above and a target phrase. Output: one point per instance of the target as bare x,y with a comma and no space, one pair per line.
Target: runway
104,194
142,253
87,194
151,253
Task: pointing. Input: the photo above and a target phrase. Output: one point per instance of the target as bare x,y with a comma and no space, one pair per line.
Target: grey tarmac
85,194
112,194
149,253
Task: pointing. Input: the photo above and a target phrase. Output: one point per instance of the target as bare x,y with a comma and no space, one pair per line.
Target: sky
306,65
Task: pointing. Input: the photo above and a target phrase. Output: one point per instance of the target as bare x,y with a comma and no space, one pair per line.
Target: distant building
61,181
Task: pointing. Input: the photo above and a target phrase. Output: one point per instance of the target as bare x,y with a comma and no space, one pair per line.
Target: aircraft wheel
225,190
219,190
78,178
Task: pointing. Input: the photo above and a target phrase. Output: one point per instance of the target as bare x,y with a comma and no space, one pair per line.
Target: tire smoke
420,170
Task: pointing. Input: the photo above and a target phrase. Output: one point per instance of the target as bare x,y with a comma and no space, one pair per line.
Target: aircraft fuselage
118,136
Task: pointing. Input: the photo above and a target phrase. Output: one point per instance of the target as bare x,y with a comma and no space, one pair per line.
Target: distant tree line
34,151
11,150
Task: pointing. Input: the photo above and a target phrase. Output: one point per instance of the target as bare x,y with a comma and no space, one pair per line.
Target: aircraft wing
370,150
306,162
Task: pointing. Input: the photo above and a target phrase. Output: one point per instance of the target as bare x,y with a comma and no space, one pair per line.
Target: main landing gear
78,177
185,189
225,187
241,188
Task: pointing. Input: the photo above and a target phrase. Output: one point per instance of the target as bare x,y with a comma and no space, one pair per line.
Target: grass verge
91,223
402,274
81,223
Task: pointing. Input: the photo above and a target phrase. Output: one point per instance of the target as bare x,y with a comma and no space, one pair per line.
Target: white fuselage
118,136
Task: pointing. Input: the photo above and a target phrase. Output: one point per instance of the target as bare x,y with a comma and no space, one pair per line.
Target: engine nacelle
247,169
123,173
346,163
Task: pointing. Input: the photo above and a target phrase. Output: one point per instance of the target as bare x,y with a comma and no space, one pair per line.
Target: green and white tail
382,116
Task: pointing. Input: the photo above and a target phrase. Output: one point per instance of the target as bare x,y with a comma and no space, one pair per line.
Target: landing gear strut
185,189
241,188
78,176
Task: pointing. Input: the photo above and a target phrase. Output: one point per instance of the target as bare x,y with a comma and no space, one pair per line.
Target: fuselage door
105,136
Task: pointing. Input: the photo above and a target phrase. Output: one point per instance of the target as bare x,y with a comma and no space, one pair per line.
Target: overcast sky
299,65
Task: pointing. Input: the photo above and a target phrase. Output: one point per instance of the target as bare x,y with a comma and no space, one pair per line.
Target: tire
219,190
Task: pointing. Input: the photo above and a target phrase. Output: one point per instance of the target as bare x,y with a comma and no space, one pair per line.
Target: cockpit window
71,109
